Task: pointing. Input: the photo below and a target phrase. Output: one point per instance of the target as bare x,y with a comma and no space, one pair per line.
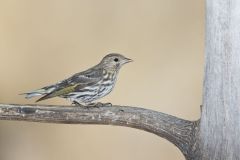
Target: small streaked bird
85,87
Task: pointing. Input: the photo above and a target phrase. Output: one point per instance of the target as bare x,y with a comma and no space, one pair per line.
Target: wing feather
76,82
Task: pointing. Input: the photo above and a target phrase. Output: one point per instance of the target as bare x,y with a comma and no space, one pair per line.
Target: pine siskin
87,86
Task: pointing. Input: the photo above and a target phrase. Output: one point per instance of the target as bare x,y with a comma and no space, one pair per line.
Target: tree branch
178,131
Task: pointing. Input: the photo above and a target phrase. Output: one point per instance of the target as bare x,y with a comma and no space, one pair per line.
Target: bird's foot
99,104
95,104
77,104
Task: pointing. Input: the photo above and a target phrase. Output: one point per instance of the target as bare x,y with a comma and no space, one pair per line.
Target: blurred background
42,42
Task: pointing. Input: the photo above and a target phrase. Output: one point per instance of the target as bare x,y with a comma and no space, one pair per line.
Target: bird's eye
116,59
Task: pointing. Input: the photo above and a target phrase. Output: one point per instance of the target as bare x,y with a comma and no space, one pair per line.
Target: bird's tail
39,92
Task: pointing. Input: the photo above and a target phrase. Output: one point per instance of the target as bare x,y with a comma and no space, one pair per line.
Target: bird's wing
77,81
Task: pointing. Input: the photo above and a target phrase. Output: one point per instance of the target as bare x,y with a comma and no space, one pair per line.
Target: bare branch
178,131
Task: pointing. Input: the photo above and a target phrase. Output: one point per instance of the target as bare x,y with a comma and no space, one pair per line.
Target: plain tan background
42,42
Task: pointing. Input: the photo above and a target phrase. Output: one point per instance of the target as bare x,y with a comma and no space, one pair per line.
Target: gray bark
220,121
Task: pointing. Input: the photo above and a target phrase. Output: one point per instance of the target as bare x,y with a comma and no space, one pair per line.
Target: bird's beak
127,60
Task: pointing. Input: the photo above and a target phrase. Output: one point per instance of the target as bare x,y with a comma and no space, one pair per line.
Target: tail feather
35,93
47,96
39,92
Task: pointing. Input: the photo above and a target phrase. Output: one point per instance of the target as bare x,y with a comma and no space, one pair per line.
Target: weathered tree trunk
215,136
220,121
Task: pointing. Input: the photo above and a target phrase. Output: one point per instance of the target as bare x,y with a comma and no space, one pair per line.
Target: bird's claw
99,104
77,104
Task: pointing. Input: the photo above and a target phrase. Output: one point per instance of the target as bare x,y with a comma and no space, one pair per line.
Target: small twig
178,131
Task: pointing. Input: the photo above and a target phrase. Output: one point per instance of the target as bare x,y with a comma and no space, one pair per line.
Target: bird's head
114,60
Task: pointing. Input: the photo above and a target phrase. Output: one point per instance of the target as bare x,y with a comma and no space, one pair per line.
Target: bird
85,87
